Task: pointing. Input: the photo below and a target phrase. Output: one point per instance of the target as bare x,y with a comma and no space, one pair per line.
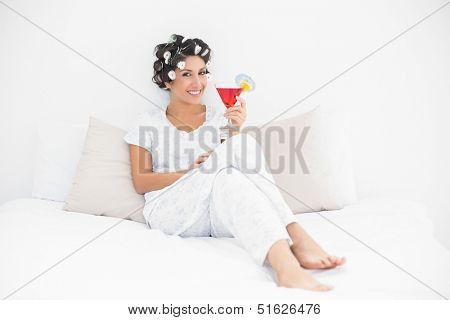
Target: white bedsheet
131,261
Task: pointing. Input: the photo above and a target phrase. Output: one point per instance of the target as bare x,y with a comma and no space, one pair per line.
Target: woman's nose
197,81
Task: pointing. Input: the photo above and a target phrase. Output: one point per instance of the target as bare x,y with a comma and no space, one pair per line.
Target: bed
389,245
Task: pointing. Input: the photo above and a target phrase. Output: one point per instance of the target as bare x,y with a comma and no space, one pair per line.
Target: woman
194,185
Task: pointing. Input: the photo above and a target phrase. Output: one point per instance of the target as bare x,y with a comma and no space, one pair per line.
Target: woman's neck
184,109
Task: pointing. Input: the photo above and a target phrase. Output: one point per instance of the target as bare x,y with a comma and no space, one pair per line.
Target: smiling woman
171,59
205,199
186,92
182,68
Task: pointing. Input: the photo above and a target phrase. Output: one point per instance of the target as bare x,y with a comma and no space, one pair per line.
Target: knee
248,154
243,139
241,146
240,151
230,174
229,171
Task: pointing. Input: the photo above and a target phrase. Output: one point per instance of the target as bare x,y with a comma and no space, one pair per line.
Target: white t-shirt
173,149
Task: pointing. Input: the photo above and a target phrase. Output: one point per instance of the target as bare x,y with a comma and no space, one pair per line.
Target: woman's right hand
202,158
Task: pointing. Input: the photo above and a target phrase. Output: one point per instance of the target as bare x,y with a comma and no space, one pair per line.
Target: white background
396,101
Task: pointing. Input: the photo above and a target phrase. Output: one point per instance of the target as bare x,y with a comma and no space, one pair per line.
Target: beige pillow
103,185
320,176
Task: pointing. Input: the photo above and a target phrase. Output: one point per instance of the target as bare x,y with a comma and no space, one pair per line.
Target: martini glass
228,92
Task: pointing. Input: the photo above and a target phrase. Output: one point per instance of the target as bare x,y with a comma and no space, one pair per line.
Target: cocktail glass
228,92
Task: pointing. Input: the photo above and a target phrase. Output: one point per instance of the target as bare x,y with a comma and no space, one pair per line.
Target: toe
325,263
315,264
323,287
340,261
321,264
332,261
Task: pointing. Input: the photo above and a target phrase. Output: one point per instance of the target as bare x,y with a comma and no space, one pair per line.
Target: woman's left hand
237,114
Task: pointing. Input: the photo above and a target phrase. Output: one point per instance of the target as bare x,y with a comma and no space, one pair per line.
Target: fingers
236,116
236,108
242,102
203,157
200,159
235,113
204,154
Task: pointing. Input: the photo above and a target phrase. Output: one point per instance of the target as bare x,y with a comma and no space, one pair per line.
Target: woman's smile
195,93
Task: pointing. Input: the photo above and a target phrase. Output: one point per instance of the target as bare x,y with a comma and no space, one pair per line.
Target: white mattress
130,261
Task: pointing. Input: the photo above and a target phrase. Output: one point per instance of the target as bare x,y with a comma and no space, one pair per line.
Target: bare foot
297,277
308,252
311,256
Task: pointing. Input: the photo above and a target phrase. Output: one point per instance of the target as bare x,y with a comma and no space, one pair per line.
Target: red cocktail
228,93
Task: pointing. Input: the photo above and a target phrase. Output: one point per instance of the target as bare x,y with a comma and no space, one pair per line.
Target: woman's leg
238,208
183,209
243,152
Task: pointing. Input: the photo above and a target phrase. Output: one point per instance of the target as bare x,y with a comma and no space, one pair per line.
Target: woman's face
191,78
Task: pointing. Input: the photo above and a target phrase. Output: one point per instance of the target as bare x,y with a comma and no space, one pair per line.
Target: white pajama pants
232,194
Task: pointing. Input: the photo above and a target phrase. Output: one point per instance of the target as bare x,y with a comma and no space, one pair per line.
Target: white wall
397,100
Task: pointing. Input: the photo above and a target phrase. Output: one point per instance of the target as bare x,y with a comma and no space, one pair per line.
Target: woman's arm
144,179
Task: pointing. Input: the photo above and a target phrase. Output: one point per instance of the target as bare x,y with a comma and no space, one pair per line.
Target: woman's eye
185,74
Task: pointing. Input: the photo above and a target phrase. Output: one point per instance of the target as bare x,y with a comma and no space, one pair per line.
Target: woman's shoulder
148,117
145,119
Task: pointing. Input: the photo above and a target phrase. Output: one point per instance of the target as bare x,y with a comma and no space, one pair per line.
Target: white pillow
326,180
103,183
59,148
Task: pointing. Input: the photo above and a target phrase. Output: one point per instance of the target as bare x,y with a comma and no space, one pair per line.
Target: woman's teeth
194,93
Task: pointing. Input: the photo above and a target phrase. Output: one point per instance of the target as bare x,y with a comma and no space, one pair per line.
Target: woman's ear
167,85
